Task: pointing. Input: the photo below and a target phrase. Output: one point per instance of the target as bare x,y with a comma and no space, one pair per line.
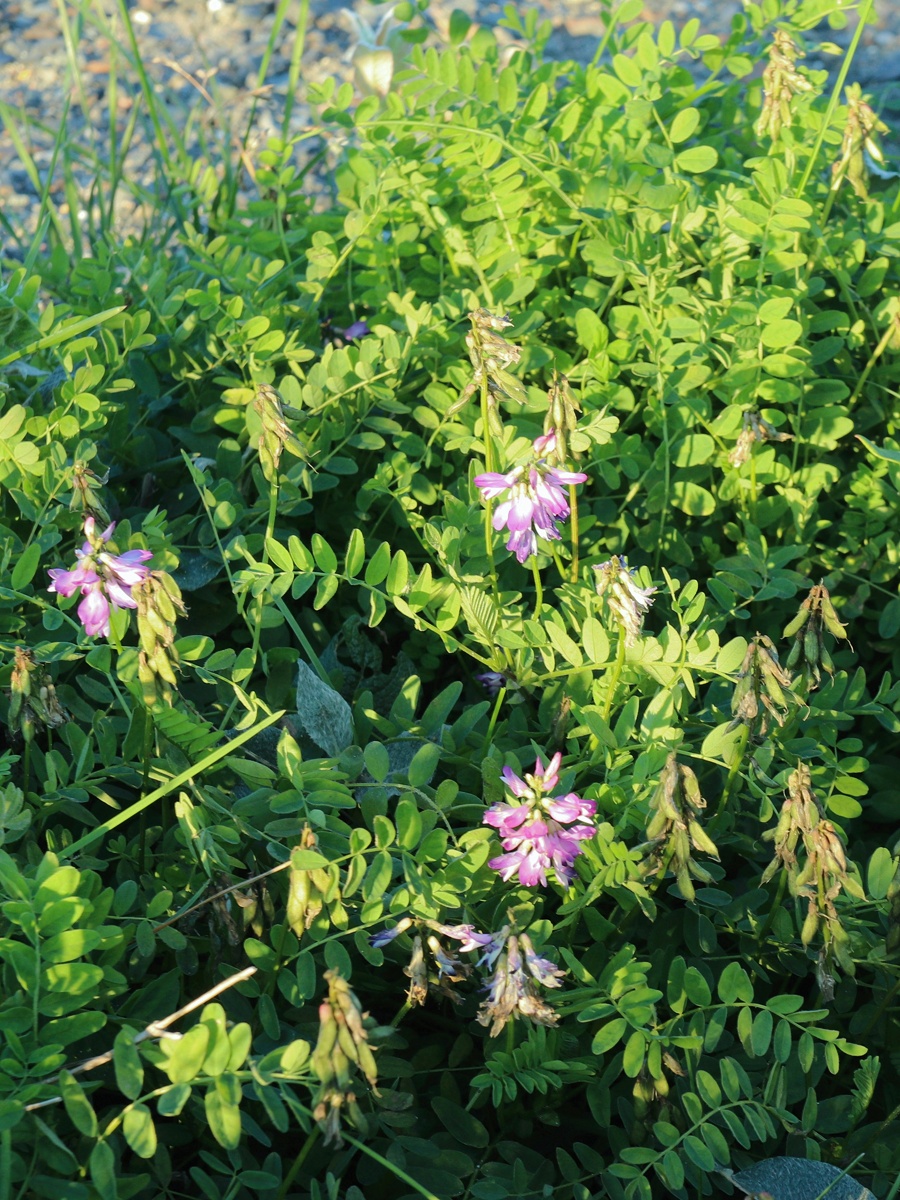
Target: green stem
501,696
573,505
171,785
26,767
538,587
888,997
740,750
835,94
489,468
5,1164
510,1036
302,639
311,1138
616,672
145,759
873,359
274,489
401,1013
294,68
392,1167
279,959
607,35
779,899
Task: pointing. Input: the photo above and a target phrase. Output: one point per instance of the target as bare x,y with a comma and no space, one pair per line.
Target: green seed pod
367,1063
164,667
298,901
810,926
346,1042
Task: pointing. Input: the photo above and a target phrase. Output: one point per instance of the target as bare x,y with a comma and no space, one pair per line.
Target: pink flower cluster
541,831
536,502
103,579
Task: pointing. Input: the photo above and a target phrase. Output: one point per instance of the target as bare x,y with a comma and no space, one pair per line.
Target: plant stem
890,332
392,1167
865,11
294,68
607,35
145,759
489,467
740,749
573,505
26,767
401,1013
501,696
779,897
538,587
5,1164
303,640
311,1138
616,672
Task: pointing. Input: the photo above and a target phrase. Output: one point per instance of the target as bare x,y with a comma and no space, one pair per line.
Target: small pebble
140,16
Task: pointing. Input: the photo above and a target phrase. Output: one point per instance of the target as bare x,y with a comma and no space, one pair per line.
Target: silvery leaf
324,715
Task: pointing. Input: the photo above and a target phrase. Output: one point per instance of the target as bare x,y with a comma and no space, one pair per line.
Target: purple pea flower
358,329
536,503
541,832
101,577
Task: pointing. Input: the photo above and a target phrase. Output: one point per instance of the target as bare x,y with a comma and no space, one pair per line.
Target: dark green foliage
715,325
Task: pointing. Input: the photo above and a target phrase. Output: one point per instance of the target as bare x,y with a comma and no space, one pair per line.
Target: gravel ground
218,44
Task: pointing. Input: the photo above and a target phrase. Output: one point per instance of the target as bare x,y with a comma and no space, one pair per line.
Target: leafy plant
563,435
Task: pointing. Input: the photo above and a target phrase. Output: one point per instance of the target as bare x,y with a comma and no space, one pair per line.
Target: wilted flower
541,832
513,986
755,429
431,963
33,701
628,602
490,354
808,654
276,436
101,577
781,82
85,494
536,502
516,969
492,682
